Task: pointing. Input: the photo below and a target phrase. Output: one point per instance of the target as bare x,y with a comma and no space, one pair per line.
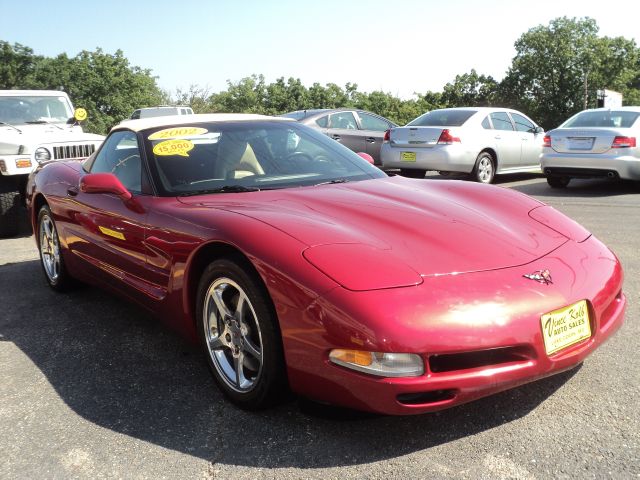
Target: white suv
35,126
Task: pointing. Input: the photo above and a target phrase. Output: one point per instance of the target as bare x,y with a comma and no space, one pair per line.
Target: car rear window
603,118
442,118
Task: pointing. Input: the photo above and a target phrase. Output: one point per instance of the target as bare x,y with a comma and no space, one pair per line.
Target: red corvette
299,266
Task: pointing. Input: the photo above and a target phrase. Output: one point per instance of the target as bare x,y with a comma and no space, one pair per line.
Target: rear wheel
238,329
558,182
485,168
412,173
50,252
9,209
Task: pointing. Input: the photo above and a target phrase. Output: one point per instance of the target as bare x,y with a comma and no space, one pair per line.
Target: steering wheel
299,156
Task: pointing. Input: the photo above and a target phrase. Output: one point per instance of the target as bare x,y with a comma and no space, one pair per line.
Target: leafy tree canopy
556,70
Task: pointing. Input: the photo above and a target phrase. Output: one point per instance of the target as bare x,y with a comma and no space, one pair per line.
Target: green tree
106,85
560,66
17,64
470,90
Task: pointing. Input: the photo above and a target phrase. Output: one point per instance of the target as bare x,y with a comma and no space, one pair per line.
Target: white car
35,126
480,141
593,143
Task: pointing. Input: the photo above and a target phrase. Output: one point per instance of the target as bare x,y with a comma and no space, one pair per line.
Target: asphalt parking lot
92,387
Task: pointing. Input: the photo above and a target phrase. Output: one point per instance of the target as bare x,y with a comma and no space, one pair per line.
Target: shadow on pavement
113,365
579,188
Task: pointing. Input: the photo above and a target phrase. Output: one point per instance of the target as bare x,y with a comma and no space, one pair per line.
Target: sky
400,47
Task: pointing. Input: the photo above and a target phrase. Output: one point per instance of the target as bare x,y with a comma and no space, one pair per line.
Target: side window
501,121
486,124
120,156
344,120
522,124
370,122
323,121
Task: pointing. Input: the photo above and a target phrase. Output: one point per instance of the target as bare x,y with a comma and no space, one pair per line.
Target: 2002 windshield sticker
173,147
177,132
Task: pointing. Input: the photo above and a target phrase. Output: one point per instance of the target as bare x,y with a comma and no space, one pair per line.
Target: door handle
335,137
72,191
497,137
371,140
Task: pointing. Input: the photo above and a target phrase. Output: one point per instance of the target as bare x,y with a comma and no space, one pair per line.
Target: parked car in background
36,126
593,143
161,111
357,130
476,140
296,264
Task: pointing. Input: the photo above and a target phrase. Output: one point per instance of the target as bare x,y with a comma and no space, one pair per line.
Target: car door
343,128
507,140
373,127
108,233
531,144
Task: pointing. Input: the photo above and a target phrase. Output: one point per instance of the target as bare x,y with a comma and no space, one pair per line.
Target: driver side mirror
366,156
104,183
538,130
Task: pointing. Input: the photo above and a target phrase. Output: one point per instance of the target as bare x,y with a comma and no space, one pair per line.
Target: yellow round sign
173,147
80,114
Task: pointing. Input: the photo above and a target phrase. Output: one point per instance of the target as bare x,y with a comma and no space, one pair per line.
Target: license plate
408,156
577,143
565,326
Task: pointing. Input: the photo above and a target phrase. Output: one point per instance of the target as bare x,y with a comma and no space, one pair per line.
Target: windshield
246,156
23,110
602,118
442,118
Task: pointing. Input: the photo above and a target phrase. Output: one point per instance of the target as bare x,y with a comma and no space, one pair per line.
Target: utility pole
586,91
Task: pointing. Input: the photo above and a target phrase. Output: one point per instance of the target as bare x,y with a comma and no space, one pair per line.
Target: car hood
411,228
33,135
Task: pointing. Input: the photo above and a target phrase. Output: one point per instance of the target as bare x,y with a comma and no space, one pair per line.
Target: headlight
42,155
379,363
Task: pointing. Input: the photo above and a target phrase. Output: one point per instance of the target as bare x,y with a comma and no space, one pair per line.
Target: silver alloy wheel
49,248
485,169
232,333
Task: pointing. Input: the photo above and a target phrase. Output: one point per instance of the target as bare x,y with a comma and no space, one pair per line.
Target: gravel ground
93,387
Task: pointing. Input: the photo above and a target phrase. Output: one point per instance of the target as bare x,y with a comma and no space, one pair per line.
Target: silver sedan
593,143
477,140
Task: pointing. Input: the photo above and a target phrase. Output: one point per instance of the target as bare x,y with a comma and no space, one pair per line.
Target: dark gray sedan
356,129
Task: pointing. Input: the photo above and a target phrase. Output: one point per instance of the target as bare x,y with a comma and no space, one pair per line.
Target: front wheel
558,182
51,259
485,168
9,211
412,173
239,333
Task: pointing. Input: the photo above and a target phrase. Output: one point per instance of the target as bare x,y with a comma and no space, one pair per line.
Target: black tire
412,173
558,182
232,339
484,170
9,211
49,248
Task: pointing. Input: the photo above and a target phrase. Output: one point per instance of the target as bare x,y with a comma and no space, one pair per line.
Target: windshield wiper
329,182
9,125
43,122
223,189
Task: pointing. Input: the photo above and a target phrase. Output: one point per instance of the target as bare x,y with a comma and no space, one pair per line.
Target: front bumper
595,165
478,333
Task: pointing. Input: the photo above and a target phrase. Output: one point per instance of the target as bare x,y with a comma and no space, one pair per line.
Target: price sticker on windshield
173,147
177,132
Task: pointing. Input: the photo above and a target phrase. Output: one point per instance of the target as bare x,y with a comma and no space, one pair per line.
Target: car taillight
387,136
547,141
447,139
624,142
